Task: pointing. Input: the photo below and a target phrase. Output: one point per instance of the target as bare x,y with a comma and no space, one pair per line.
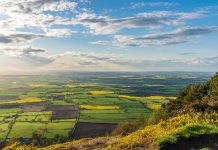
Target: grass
49,129
35,116
99,107
60,127
111,116
101,97
25,129
187,132
9,110
153,85
3,130
170,130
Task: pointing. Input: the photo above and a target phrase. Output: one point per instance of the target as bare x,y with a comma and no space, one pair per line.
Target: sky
46,36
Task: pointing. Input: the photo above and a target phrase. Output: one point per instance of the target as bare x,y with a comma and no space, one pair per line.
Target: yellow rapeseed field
101,92
155,97
154,106
129,97
25,100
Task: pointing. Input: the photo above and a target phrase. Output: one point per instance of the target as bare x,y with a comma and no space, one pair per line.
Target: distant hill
188,122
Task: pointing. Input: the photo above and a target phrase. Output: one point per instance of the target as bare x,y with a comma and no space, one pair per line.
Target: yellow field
42,85
101,92
25,100
98,107
155,97
71,85
154,106
129,97
146,98
80,85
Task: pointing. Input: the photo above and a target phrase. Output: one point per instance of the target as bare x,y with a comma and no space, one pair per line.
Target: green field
101,99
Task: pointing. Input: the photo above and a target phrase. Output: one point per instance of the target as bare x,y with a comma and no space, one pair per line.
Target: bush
129,127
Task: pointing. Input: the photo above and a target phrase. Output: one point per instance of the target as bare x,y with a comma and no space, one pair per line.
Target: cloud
33,15
59,32
21,51
32,56
41,61
149,20
18,37
152,4
204,61
36,6
167,38
187,53
12,37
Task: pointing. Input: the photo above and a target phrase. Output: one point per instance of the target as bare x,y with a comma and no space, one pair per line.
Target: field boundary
77,120
11,127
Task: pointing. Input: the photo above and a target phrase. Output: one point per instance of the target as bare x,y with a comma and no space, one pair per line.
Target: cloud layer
167,38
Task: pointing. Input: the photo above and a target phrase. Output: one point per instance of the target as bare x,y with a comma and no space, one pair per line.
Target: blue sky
40,36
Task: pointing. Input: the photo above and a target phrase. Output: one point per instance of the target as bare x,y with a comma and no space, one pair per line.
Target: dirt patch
22,90
9,105
32,108
198,142
63,111
87,129
7,97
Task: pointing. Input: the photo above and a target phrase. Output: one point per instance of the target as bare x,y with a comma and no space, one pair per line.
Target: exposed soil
87,129
23,90
194,143
32,108
7,97
63,112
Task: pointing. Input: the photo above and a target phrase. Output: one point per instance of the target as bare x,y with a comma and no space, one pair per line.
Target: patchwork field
60,106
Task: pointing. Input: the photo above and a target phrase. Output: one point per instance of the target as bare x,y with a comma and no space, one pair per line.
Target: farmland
54,105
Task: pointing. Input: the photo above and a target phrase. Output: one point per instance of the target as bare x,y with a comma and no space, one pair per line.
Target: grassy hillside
191,118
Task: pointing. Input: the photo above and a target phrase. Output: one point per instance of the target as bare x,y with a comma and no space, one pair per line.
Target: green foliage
129,127
198,98
187,132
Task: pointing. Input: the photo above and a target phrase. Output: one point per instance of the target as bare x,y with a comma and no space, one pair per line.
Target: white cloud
21,51
12,37
148,20
166,38
35,6
59,32
28,14
41,61
152,4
